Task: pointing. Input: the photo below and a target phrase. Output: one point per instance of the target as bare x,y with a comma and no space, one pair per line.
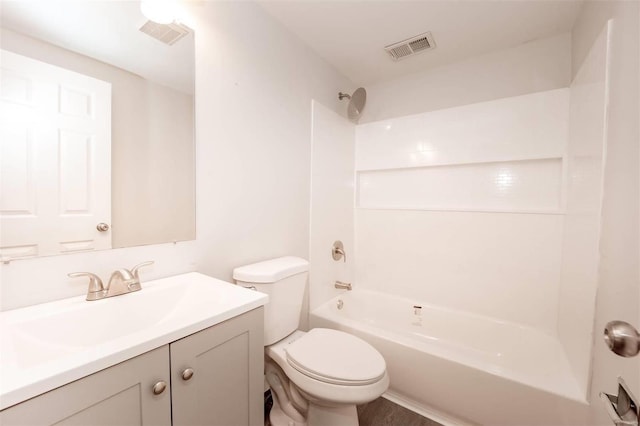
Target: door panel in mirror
56,145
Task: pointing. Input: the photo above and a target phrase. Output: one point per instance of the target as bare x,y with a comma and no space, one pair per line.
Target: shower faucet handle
337,251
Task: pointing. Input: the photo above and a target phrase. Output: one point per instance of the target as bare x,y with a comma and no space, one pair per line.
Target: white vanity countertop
46,346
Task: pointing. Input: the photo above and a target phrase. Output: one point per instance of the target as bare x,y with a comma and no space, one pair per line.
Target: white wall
255,83
31,281
531,67
462,207
332,152
618,295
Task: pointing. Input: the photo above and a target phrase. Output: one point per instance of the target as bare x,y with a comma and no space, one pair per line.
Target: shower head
356,103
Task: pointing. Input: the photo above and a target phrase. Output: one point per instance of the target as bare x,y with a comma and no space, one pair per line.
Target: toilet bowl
316,377
331,366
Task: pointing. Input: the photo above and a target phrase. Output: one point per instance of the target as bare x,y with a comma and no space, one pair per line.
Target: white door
619,286
55,159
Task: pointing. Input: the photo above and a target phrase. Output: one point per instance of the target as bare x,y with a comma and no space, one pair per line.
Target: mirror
97,143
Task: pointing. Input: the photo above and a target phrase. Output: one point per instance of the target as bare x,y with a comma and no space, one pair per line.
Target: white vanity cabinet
223,384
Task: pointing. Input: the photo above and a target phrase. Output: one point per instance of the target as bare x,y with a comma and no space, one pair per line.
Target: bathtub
459,368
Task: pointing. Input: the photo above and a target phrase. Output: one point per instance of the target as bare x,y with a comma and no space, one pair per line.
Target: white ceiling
108,31
351,35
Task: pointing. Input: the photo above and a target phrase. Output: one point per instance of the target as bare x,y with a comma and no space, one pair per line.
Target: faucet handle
134,270
96,288
121,282
337,251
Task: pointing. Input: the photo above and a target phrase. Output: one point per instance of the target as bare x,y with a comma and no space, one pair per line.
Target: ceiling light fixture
159,11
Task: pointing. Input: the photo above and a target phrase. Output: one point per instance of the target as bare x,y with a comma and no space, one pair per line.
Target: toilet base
343,415
277,417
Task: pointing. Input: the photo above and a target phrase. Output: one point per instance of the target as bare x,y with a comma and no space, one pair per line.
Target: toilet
316,377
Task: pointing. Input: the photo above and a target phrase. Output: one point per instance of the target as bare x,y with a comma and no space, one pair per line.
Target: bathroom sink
45,346
76,325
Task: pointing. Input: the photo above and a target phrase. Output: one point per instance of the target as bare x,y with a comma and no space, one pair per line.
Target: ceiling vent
410,46
166,33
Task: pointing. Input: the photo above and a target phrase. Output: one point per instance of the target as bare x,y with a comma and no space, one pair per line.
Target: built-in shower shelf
491,160
525,185
465,210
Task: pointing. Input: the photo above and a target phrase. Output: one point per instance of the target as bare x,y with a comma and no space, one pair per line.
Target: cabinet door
119,395
226,388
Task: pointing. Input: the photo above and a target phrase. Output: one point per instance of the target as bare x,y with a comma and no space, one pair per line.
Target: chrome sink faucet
122,281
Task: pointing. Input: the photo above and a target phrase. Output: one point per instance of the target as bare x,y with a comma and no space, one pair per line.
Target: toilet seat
320,390
335,357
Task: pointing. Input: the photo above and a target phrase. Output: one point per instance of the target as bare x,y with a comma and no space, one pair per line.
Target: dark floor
382,412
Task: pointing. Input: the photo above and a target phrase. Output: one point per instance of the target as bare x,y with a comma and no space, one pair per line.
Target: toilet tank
284,280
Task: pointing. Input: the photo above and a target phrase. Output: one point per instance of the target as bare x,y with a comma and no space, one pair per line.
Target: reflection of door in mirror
151,117
55,159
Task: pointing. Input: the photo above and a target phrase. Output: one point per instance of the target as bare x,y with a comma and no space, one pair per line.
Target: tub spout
342,286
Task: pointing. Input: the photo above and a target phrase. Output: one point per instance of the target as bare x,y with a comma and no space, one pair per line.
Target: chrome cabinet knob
159,387
102,227
187,374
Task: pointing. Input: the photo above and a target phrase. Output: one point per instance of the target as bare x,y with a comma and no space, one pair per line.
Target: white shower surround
464,207
492,209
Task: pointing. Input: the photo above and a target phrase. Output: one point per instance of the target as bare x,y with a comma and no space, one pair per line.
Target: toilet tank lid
271,271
